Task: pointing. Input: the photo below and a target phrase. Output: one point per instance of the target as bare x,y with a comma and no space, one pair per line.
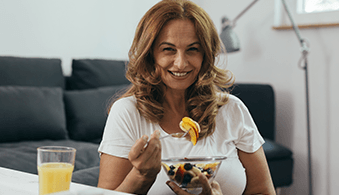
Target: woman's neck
174,110
175,102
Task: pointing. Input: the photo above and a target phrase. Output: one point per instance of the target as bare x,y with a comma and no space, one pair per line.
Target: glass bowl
184,171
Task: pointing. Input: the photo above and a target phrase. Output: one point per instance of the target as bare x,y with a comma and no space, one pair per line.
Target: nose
180,61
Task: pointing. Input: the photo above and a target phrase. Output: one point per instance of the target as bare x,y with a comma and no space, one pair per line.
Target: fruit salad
186,174
193,128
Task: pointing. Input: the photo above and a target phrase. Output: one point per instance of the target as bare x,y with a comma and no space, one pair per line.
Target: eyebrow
171,44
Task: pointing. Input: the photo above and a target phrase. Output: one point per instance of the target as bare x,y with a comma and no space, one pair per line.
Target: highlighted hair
204,96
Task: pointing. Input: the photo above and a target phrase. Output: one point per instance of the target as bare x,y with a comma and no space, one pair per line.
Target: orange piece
166,166
212,166
187,124
179,175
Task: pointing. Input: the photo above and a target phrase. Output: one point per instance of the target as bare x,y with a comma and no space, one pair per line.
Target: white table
14,182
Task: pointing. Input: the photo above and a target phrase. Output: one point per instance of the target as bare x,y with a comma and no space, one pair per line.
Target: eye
168,49
193,49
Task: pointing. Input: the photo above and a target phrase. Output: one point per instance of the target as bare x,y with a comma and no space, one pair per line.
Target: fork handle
172,134
165,136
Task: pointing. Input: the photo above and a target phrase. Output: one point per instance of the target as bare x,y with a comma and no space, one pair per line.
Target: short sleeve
249,138
120,129
240,126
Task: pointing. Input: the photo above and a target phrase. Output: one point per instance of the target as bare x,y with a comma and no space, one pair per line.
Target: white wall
271,56
105,29
69,29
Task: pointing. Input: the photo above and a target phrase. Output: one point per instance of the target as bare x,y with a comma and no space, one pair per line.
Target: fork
178,135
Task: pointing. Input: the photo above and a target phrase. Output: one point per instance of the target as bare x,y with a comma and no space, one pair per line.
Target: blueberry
187,178
209,171
188,166
171,172
172,167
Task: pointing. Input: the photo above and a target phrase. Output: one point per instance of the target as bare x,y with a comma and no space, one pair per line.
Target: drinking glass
55,167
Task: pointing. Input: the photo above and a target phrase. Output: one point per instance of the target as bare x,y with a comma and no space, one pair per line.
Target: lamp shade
228,37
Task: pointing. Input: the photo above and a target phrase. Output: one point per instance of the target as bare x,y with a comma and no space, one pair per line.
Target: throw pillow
31,113
86,111
94,73
39,72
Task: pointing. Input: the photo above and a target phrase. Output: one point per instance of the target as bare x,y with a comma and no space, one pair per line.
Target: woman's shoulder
233,105
125,103
126,100
232,99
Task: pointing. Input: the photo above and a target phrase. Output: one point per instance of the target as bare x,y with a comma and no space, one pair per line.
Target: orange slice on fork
193,128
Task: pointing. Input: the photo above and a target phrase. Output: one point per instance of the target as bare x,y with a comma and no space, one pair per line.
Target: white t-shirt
235,129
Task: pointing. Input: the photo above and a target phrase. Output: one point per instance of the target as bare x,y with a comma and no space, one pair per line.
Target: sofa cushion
280,162
275,151
88,176
86,111
31,113
40,72
22,156
94,73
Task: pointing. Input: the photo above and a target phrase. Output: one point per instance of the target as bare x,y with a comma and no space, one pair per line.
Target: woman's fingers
138,148
207,189
206,186
146,156
176,189
215,186
152,150
151,158
141,146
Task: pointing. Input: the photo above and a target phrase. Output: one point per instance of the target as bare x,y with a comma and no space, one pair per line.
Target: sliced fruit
179,174
195,180
166,166
187,124
212,166
187,174
196,170
193,136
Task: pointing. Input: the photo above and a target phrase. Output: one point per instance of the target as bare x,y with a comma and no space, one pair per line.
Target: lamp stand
304,49
231,42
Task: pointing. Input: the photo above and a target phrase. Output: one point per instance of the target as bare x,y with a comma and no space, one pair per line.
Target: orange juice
54,177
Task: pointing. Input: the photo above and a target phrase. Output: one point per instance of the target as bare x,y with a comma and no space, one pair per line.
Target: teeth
179,74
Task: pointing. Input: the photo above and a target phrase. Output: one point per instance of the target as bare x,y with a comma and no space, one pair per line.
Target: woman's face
178,53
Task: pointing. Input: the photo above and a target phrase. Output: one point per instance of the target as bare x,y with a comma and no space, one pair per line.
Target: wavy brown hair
203,96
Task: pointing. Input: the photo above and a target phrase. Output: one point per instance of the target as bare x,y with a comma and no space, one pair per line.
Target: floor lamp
231,42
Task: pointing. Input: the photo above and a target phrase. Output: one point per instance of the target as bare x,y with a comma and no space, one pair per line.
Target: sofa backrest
31,99
260,100
36,105
95,73
38,72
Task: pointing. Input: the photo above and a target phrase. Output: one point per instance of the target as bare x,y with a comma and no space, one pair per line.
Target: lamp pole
231,40
304,50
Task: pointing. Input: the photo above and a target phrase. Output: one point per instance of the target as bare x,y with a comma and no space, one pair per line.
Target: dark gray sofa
40,106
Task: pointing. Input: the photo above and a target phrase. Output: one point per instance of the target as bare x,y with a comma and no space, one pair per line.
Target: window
314,6
307,13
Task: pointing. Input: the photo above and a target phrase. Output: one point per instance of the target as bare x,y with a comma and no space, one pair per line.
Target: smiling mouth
179,74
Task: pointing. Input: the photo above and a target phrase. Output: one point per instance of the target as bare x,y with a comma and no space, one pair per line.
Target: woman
173,75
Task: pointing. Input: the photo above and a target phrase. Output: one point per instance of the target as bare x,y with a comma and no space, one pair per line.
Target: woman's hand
207,188
136,174
146,157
